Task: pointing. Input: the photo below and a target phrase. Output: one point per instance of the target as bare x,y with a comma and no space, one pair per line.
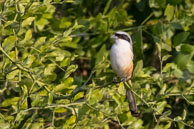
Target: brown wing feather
128,70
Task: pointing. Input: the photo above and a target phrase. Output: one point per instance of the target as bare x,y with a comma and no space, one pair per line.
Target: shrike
121,56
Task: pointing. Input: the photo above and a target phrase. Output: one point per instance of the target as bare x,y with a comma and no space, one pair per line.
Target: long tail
132,102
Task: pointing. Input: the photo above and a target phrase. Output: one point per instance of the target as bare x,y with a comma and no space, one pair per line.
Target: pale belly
121,60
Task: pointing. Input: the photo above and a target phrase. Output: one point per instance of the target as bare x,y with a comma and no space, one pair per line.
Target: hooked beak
113,37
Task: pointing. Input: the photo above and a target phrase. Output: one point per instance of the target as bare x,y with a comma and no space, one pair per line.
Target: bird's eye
116,34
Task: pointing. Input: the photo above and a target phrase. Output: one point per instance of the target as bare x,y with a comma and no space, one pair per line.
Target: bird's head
122,35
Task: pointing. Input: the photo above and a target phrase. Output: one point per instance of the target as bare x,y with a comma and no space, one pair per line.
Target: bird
121,57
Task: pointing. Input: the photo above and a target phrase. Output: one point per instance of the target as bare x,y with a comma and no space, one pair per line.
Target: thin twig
179,94
119,122
186,99
50,106
17,64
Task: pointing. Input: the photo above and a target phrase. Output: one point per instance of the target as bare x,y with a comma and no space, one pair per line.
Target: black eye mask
122,36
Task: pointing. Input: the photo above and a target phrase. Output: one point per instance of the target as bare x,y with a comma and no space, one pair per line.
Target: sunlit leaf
78,96
71,120
138,68
41,23
10,101
49,69
157,3
160,107
9,43
164,58
50,99
13,74
67,84
121,89
184,114
93,99
169,12
178,118
60,110
166,47
28,21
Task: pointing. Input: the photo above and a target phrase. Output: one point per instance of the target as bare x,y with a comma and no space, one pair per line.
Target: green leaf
60,110
65,62
64,23
157,3
138,68
50,99
13,74
159,49
41,23
187,48
180,38
166,47
167,126
37,125
47,1
70,30
107,6
164,58
28,21
71,120
163,89
181,125
169,12
182,60
9,43
22,8
70,69
117,98
78,96
29,60
28,35
40,41
160,107
4,124
66,84
96,96
27,39
51,77
166,113
190,66
100,54
178,118
121,89
10,101
184,114
49,69
59,54
173,70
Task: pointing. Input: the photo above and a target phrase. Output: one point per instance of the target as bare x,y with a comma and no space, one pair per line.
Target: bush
55,70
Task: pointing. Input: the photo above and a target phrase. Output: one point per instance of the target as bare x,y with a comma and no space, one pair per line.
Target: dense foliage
55,70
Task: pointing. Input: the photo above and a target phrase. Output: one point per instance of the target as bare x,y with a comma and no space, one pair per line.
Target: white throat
124,45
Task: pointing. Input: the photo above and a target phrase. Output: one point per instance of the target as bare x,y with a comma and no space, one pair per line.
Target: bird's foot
125,79
115,80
